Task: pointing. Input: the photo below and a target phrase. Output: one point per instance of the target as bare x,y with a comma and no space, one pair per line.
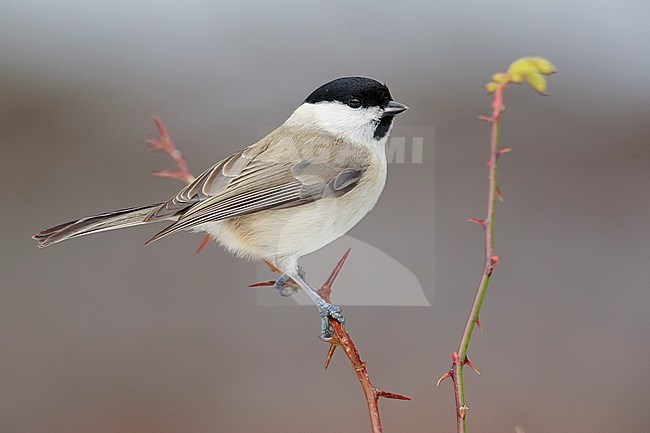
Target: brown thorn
477,221
204,242
485,118
267,283
499,195
272,266
386,394
271,283
462,411
478,325
330,353
325,291
504,150
443,377
470,365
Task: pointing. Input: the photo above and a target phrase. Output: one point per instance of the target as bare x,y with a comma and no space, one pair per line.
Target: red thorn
204,242
271,266
499,195
330,353
386,394
477,221
268,283
326,289
478,325
485,118
504,150
337,269
443,377
470,365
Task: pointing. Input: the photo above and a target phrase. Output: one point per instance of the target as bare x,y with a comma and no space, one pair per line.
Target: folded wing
247,182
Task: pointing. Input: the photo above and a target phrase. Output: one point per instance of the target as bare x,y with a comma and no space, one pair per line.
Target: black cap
370,92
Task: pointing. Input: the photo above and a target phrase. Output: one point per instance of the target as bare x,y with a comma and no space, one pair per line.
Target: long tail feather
98,223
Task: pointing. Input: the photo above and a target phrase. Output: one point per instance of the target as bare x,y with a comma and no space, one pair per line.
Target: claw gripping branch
342,339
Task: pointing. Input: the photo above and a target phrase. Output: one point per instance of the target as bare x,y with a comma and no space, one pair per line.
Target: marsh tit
296,190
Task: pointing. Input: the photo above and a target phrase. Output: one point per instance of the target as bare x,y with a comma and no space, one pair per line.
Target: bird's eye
354,103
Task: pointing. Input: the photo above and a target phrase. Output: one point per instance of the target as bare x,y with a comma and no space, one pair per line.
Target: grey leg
281,287
325,309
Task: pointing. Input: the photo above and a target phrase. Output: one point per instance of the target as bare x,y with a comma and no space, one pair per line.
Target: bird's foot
281,286
328,311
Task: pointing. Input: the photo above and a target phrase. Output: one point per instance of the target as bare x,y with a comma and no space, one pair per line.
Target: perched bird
296,190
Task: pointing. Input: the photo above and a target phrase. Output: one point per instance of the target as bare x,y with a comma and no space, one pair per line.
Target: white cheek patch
357,125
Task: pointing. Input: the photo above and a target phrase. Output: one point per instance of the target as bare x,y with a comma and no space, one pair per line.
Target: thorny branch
165,145
532,69
343,340
341,337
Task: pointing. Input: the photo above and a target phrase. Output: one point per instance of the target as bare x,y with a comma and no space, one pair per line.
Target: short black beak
393,108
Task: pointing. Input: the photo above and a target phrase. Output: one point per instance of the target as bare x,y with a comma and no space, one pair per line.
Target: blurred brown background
103,335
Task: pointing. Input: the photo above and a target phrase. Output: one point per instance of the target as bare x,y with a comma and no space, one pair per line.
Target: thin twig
459,358
532,69
343,340
164,144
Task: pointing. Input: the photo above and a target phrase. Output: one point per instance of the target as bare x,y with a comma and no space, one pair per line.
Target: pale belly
289,233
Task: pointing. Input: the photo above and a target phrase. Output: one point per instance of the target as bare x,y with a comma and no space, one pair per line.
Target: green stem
460,358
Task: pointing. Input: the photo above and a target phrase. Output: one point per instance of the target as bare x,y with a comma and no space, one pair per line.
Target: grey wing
232,188
211,182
